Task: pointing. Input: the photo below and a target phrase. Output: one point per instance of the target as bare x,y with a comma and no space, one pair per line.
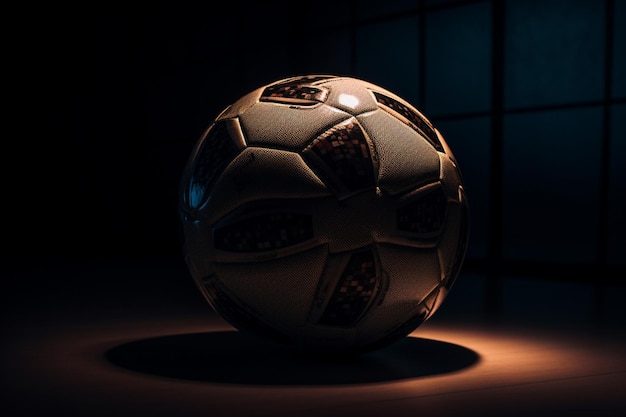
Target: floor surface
71,348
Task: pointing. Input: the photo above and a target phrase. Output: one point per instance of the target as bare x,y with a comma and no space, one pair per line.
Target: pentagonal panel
344,158
297,90
279,290
287,127
406,160
423,214
262,174
261,232
213,153
354,291
411,116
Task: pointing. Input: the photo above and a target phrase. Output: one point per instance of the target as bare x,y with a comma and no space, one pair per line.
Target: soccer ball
324,213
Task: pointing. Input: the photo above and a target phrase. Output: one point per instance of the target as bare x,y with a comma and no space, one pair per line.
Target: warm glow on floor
194,365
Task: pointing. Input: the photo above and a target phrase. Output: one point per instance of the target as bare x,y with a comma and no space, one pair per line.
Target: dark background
102,110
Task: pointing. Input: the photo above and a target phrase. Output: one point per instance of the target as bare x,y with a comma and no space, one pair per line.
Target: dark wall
103,110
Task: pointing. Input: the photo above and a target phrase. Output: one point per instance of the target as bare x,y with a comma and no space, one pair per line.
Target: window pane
554,52
619,50
458,59
469,140
549,302
617,187
551,185
386,54
367,9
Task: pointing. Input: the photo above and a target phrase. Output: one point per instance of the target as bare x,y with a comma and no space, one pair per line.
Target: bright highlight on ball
324,213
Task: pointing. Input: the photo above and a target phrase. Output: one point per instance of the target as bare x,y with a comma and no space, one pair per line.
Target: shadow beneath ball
232,358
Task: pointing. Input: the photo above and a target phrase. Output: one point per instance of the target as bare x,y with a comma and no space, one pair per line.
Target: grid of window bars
530,95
